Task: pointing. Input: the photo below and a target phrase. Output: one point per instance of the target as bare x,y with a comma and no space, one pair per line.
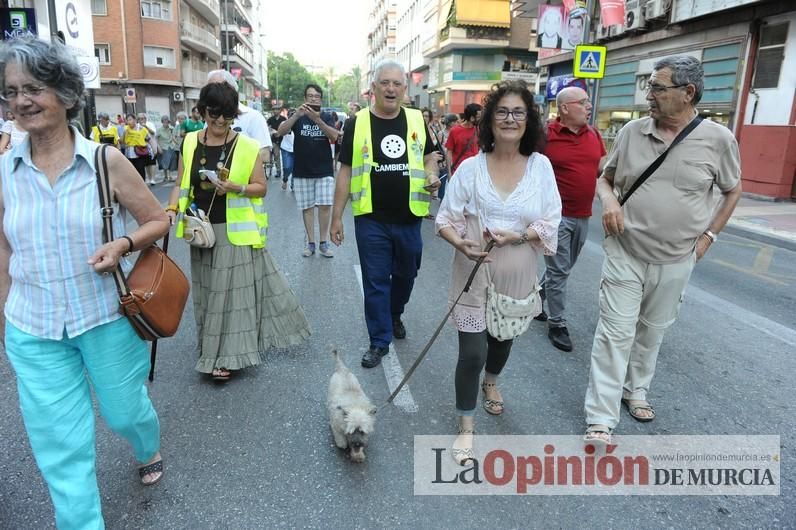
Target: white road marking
393,371
736,312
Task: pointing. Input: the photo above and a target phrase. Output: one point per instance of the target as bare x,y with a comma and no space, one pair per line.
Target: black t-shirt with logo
313,156
274,122
389,180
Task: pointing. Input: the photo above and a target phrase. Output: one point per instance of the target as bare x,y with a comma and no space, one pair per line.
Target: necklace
221,158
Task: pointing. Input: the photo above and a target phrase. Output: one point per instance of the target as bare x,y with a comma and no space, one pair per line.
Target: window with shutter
770,55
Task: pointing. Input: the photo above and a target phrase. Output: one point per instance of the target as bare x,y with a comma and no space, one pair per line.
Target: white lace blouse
534,203
471,203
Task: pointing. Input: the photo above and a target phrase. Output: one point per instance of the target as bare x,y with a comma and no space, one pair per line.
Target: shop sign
528,77
686,9
557,83
18,22
476,76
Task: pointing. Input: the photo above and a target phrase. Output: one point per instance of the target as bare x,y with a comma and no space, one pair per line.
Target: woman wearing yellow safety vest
242,303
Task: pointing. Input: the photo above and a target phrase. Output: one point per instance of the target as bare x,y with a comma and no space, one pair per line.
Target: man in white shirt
249,121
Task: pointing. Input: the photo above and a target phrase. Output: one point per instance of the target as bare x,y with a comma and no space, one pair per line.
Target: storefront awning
444,12
493,13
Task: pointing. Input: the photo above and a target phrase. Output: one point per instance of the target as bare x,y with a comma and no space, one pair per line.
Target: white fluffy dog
351,414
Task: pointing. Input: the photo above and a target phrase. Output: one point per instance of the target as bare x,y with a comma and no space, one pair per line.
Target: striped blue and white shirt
52,231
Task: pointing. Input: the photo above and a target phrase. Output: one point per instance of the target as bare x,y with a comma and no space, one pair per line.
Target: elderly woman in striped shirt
62,322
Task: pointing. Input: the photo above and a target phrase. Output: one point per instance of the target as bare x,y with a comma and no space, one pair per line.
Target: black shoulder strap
106,209
658,161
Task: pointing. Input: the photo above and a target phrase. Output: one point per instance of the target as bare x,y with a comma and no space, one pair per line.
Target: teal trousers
53,379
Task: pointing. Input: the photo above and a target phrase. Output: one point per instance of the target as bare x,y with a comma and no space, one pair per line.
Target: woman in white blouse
507,193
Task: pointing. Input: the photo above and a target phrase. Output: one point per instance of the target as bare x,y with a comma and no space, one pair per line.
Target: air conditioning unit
634,17
608,32
656,8
178,96
602,32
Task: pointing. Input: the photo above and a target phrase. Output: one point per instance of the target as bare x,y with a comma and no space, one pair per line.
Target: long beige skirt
243,305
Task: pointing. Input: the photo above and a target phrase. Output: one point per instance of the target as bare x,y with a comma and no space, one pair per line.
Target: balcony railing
209,9
192,32
193,77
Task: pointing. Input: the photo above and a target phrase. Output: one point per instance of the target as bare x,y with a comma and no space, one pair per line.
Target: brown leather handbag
154,294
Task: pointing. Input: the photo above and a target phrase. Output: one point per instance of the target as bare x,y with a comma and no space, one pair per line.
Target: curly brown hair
533,138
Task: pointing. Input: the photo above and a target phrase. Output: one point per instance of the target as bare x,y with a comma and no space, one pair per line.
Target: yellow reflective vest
362,163
247,221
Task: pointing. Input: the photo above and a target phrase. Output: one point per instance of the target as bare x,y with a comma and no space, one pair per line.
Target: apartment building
382,21
154,55
242,50
408,36
138,45
200,47
471,44
748,50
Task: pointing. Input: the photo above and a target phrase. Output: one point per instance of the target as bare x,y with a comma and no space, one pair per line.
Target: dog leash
439,328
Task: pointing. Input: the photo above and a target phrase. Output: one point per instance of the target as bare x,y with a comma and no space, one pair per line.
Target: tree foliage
287,79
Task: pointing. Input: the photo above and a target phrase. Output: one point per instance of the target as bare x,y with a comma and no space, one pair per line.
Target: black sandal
154,467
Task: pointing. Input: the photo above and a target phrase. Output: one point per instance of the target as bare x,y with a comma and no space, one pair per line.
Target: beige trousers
638,301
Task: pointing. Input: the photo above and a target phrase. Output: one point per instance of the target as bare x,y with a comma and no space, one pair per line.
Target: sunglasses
214,115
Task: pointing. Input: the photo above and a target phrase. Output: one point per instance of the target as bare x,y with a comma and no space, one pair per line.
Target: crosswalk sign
589,62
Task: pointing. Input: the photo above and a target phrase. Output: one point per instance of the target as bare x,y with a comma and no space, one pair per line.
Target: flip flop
638,404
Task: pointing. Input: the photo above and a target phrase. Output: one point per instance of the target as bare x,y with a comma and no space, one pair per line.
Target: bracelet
242,189
171,208
710,235
523,239
130,245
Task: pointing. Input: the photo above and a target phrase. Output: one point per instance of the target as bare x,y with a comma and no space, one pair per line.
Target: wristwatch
710,235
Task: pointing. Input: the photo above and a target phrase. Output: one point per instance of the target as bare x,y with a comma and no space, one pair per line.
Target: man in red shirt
463,139
577,153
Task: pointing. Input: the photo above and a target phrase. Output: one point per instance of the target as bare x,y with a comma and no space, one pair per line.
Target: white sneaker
325,251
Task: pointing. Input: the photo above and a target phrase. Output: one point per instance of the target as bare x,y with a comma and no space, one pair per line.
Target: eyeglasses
503,114
313,96
660,89
29,91
578,101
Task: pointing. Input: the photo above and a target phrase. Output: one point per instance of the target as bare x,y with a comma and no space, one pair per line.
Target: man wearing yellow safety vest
389,169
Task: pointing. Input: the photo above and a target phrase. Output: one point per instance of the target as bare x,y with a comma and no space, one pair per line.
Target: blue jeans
287,164
55,398
390,258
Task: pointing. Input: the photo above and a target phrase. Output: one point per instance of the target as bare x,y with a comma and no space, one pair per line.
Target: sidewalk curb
762,237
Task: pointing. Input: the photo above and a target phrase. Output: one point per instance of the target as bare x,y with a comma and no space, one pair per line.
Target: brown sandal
635,405
598,435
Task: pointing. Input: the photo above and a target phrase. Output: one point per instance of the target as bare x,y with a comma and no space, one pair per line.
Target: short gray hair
686,70
103,115
387,64
226,76
52,64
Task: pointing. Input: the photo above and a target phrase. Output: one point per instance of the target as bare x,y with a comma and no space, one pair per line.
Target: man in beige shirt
656,238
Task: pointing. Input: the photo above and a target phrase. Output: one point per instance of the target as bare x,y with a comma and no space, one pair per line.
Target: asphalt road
257,452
